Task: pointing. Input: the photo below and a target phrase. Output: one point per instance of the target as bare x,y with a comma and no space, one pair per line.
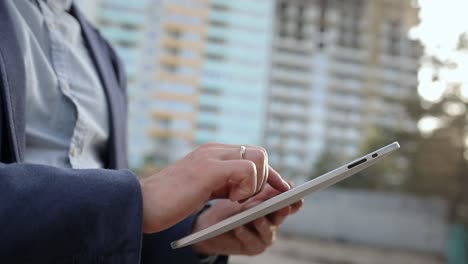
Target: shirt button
51,25
73,152
66,87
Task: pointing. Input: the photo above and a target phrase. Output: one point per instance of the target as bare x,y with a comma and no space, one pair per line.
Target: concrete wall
379,219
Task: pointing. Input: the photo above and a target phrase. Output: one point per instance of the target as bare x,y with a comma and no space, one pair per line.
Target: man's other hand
250,239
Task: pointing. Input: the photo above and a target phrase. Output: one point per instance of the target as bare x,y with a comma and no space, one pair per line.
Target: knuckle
203,154
249,168
258,157
210,144
202,164
264,151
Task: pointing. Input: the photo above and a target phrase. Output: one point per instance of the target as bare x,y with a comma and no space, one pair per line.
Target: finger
255,154
265,194
260,158
275,180
233,179
266,230
262,164
225,244
278,217
266,167
266,171
252,244
297,206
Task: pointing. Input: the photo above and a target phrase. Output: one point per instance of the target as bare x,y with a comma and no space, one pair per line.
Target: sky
441,24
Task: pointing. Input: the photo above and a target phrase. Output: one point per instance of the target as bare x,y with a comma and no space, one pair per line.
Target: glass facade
235,72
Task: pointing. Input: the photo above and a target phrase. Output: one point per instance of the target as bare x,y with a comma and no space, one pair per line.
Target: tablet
287,198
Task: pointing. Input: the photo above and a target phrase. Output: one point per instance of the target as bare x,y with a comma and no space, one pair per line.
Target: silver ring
242,152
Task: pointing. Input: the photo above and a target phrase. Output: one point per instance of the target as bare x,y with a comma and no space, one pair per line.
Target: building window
351,12
204,108
394,38
206,126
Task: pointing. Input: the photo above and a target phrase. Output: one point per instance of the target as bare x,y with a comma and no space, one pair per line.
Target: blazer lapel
12,80
116,100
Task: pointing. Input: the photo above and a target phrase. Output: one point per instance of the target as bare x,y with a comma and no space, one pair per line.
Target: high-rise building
297,76
178,77
339,69
236,65
197,70
213,74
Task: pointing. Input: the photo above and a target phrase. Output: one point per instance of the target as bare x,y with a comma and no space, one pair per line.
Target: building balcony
169,115
278,92
277,106
407,64
174,96
339,117
179,9
343,101
179,61
277,113
288,45
292,59
182,44
357,55
298,151
347,85
174,78
347,68
169,134
300,78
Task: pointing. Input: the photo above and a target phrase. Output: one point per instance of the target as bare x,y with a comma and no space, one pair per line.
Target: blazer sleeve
55,215
157,249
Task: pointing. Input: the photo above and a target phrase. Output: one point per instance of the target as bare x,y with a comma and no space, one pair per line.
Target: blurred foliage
390,174
432,164
440,162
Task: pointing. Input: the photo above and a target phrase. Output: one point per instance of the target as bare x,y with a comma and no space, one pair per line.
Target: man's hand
209,172
250,239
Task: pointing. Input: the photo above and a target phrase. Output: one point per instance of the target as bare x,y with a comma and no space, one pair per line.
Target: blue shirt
67,123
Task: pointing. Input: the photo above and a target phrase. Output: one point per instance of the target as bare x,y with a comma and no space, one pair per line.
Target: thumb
233,179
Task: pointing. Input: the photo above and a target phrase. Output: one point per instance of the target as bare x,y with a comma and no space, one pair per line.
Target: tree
440,164
390,174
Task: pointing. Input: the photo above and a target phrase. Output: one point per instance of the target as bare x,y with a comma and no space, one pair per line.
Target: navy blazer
57,215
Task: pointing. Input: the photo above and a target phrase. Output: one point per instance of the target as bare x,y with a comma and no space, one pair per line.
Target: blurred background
318,83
